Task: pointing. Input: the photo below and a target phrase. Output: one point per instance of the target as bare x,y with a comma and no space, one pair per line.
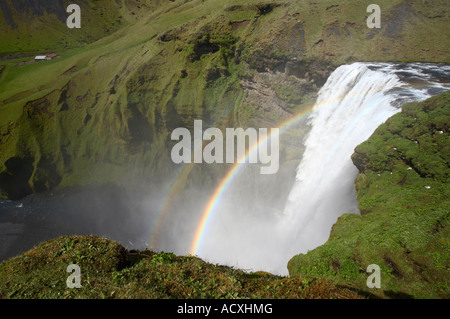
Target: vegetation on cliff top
404,198
109,271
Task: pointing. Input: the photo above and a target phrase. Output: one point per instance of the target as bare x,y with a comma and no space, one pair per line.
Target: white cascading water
355,100
350,106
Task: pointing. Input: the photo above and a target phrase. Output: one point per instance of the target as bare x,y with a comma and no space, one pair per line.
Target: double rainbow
225,182
218,192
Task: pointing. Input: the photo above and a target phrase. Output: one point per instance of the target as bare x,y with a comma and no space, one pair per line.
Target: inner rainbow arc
226,180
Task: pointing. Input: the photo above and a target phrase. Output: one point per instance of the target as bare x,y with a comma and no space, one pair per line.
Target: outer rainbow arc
165,208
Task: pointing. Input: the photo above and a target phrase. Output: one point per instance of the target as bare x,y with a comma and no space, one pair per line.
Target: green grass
46,32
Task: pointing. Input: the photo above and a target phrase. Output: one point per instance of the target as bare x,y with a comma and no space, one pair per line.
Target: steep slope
403,194
104,112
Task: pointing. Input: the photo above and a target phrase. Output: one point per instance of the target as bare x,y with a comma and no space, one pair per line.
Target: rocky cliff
104,112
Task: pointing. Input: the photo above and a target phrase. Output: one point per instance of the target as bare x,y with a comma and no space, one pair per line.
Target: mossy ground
109,271
404,199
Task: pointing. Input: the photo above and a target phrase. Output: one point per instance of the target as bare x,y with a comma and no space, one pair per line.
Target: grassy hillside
40,26
404,198
32,26
109,271
104,111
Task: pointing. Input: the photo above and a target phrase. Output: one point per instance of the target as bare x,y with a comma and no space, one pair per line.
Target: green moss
109,271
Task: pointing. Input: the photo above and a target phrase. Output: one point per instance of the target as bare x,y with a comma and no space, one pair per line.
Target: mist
112,212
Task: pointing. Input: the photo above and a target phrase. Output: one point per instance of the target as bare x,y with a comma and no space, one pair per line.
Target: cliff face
104,112
403,195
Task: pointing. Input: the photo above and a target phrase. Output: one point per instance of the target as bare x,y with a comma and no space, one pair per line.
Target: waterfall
351,105
354,101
